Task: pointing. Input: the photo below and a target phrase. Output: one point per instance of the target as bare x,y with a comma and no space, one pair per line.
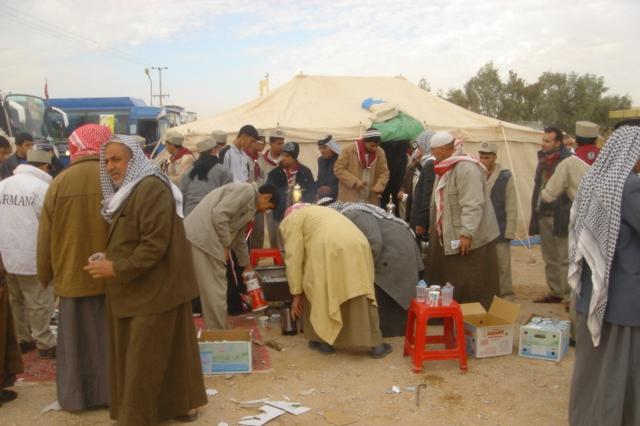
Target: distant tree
484,91
515,105
424,84
458,97
557,99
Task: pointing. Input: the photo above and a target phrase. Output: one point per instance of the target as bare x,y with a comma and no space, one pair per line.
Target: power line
55,31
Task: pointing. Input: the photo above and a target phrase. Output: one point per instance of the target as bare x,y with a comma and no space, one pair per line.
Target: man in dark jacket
24,143
502,188
551,220
289,174
327,181
419,217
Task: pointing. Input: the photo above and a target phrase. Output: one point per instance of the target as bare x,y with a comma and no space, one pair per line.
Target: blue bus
132,116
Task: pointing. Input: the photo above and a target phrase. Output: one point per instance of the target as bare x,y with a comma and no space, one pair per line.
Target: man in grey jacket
463,225
215,226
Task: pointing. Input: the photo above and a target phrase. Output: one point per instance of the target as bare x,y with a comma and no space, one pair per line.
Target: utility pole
160,95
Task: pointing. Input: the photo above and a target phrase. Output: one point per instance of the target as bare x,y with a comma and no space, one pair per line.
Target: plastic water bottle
421,291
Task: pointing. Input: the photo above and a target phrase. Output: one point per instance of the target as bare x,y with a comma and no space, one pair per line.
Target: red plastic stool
257,254
416,339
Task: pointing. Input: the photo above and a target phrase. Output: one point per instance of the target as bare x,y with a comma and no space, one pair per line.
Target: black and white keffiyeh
595,219
376,211
423,142
139,168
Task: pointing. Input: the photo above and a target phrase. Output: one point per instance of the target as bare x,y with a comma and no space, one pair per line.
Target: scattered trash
395,389
307,392
286,397
212,392
339,419
270,410
223,424
268,413
228,376
410,389
54,406
290,407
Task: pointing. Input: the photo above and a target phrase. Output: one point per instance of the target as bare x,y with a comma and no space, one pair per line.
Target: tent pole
521,210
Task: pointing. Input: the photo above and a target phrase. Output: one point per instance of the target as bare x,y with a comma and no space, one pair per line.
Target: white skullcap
441,139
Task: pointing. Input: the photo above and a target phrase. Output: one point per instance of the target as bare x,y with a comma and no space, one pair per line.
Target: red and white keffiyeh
86,140
366,159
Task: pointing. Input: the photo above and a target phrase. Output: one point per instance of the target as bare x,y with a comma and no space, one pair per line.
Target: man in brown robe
362,170
10,356
155,369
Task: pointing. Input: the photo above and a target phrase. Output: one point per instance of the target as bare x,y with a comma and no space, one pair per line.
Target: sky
217,51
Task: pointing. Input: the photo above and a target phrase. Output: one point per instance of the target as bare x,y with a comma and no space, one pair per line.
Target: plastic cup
421,294
433,298
447,295
263,321
97,257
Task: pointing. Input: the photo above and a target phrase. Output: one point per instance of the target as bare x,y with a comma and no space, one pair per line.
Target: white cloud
444,41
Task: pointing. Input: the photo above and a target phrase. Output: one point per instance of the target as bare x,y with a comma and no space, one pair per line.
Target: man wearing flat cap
362,170
21,200
270,158
463,226
501,185
220,139
327,181
289,174
586,137
181,158
206,174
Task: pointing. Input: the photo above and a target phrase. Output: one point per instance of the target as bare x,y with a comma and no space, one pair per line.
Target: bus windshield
26,114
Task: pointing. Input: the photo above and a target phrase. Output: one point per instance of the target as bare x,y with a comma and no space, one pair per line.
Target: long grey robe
396,256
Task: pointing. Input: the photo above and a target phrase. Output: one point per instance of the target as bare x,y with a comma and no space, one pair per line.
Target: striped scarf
595,219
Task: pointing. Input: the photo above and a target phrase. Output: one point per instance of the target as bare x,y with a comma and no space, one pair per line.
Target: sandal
322,347
188,418
381,351
7,396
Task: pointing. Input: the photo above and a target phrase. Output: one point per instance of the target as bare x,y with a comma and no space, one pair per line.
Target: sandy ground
496,391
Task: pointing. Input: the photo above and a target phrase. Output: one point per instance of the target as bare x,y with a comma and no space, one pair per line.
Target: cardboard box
225,351
490,333
544,338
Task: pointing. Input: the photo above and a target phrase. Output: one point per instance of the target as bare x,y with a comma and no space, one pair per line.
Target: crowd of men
128,249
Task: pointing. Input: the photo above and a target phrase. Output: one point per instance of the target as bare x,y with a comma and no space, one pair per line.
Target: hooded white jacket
21,200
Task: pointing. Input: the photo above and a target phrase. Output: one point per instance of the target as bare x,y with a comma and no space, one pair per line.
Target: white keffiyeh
595,219
139,168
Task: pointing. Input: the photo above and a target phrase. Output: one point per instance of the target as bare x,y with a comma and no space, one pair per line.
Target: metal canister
287,323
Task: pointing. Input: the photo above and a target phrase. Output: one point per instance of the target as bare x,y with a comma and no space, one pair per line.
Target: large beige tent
307,108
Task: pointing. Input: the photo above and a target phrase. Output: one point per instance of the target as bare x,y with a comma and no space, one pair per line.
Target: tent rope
518,197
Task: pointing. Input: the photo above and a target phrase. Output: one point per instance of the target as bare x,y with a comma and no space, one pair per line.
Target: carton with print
489,334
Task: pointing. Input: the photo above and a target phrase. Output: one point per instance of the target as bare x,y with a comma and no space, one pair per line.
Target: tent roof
309,107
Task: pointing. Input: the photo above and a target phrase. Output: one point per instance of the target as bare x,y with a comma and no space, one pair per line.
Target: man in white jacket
32,302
